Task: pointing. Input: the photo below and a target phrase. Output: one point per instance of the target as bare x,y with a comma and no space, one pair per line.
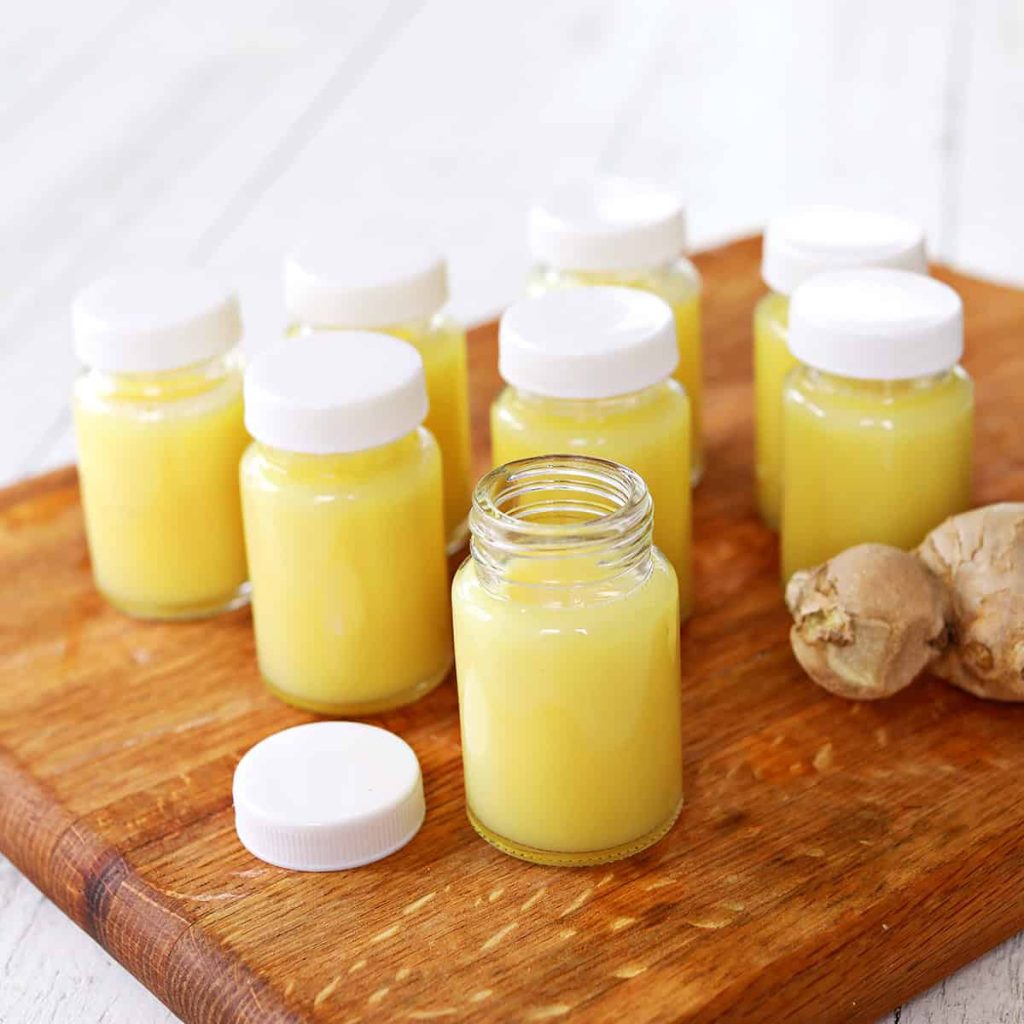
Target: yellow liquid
648,431
871,461
349,576
158,464
679,285
772,361
441,343
570,713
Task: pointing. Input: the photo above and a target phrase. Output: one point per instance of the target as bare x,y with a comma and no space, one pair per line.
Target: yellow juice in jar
346,552
158,463
679,285
441,342
383,276
649,431
869,460
567,657
772,362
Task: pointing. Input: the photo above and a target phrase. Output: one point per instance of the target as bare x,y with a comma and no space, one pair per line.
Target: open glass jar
567,656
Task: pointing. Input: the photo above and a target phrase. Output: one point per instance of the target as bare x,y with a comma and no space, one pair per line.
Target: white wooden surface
208,131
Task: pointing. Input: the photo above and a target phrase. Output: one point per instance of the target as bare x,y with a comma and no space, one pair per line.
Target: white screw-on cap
327,393
607,224
327,796
146,321
876,324
815,239
364,277
587,342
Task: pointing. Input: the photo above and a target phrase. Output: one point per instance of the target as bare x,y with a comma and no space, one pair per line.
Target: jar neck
170,385
415,326
881,389
627,277
309,466
588,406
561,528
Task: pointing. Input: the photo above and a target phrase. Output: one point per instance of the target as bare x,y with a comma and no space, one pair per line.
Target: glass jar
341,492
877,417
392,282
610,231
588,372
159,428
567,655
798,245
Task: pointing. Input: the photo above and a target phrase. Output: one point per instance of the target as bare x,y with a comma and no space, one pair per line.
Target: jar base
458,538
579,859
358,709
155,612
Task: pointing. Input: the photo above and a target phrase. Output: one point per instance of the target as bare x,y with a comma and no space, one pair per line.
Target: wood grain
833,858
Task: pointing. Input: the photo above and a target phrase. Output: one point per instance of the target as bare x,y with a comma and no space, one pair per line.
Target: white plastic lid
146,321
876,324
815,239
607,224
327,796
587,342
364,277
327,393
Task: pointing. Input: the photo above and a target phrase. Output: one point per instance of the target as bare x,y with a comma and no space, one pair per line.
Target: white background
206,132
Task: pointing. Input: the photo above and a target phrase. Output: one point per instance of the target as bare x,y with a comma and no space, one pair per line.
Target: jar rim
582,504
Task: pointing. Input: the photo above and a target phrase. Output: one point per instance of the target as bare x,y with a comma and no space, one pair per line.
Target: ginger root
870,620
979,557
867,622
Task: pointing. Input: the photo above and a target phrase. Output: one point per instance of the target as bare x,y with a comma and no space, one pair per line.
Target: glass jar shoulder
191,390
442,329
885,403
677,281
662,406
657,591
771,314
383,473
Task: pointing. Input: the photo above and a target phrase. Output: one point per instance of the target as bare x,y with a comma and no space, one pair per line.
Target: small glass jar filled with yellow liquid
877,416
390,280
344,525
612,231
589,372
567,659
159,427
798,245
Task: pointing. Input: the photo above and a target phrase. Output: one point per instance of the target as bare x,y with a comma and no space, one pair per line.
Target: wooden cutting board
832,859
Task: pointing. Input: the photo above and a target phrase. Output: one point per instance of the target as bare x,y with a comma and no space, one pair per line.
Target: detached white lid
607,224
587,342
327,796
348,276
328,393
146,321
876,324
814,239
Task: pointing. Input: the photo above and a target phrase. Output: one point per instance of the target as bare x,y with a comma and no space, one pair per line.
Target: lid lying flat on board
328,796
587,343
815,239
147,321
329,393
876,324
607,224
376,276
